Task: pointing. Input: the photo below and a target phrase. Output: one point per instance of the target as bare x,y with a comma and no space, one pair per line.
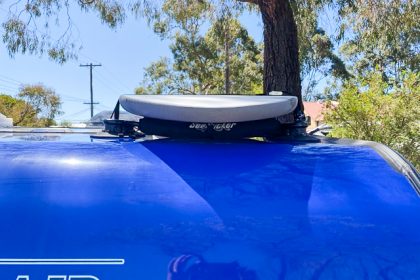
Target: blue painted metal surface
203,210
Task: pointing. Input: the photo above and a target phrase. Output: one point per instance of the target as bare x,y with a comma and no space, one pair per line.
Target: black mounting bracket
122,128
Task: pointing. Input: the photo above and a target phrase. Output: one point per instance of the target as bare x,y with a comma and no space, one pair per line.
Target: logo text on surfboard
215,126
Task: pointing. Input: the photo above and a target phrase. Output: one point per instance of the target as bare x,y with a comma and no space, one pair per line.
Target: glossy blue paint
168,209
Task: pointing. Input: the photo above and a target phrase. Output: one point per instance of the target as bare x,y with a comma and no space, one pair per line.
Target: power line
9,89
72,98
11,79
106,83
67,116
10,82
110,75
118,80
91,65
105,107
8,86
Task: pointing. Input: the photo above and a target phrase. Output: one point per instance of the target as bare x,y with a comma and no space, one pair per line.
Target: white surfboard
208,108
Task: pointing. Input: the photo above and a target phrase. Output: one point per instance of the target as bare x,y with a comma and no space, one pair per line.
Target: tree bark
281,55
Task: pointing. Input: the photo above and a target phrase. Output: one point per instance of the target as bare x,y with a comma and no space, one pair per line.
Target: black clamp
122,128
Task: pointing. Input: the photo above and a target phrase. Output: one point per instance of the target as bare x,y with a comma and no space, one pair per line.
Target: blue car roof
79,208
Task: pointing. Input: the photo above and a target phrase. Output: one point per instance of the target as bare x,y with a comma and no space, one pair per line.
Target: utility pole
91,65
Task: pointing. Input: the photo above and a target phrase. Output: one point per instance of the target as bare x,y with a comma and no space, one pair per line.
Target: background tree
373,34
23,114
382,36
239,57
281,59
191,69
316,50
43,100
34,105
29,25
204,64
318,58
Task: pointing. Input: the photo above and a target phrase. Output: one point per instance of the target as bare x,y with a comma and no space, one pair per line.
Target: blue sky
123,52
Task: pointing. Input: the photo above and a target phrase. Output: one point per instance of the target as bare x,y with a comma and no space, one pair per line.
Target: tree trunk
281,55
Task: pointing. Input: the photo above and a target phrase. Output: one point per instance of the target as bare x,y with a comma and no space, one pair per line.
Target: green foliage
382,35
202,60
29,25
233,47
45,102
161,79
317,55
23,114
34,106
199,61
372,34
181,22
27,29
371,109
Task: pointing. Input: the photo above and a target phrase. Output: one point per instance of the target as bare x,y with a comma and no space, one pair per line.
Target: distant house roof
314,110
